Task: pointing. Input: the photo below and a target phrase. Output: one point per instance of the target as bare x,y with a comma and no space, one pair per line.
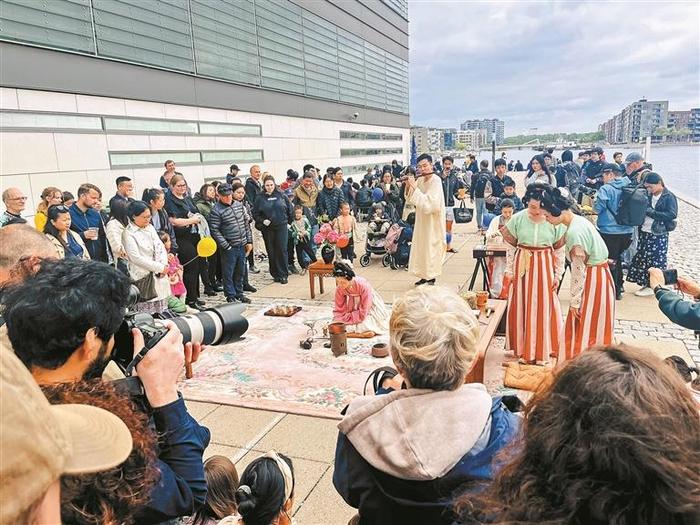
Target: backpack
633,206
480,184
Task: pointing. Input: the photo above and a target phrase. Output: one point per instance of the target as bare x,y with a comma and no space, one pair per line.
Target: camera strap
153,341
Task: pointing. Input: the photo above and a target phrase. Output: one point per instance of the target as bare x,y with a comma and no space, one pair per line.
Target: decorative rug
268,369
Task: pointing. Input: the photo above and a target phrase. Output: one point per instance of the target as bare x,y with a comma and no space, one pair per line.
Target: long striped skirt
534,322
594,324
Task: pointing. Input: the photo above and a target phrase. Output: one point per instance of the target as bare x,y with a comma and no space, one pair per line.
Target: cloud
556,66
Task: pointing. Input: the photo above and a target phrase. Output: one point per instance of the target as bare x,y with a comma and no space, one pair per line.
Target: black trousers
209,269
187,253
290,251
305,248
275,238
616,243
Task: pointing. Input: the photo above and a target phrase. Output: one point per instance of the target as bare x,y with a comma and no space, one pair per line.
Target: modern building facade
495,128
473,139
694,124
636,122
420,135
95,89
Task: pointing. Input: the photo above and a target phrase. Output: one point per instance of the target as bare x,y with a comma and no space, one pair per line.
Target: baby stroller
377,230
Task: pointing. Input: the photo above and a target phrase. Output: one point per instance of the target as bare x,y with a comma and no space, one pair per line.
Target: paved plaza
243,433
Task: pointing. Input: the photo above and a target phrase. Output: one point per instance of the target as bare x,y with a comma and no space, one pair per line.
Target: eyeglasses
18,199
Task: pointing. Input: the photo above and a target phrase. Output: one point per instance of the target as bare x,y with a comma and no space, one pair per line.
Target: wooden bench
489,327
318,269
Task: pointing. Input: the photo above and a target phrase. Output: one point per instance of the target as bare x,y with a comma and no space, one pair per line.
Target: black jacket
478,185
252,190
275,207
451,185
230,225
166,227
328,202
664,214
180,209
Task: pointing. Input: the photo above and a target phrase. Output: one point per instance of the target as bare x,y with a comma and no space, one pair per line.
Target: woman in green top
534,321
591,318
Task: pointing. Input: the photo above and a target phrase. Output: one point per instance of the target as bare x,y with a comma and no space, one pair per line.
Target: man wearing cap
41,442
232,174
229,223
79,306
617,237
636,168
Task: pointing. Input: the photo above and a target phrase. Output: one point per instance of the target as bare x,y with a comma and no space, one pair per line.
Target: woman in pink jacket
357,304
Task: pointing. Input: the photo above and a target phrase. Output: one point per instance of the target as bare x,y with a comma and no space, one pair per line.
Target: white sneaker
644,292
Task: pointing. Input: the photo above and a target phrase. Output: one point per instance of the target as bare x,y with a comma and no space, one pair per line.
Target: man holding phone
681,312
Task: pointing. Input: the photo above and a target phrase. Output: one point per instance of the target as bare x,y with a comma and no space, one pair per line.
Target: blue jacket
664,214
607,201
182,488
81,222
275,207
681,312
328,202
419,497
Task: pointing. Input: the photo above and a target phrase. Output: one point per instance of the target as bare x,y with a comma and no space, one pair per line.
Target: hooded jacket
607,202
402,458
328,202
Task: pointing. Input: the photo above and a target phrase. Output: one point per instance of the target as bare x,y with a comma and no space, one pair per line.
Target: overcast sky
554,66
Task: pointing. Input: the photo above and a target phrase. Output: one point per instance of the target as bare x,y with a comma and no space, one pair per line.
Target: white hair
433,338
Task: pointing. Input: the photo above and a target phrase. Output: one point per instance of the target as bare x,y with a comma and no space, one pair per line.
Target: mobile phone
670,276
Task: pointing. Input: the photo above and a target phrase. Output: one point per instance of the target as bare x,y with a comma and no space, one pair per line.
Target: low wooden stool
318,269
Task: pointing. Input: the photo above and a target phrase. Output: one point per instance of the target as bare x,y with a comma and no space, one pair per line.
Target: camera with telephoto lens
214,326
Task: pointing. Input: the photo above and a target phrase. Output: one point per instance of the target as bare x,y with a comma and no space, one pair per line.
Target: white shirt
648,221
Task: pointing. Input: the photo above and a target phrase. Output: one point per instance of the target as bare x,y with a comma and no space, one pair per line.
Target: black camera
213,326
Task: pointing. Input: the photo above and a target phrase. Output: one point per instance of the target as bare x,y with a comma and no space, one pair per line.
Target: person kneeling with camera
61,323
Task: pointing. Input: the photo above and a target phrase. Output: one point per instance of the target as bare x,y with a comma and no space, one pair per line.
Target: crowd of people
612,439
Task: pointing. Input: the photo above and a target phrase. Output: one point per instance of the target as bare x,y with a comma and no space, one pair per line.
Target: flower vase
327,254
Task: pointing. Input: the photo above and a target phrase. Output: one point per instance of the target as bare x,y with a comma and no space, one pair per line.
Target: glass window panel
210,128
361,152
156,33
62,24
49,121
126,159
149,126
254,155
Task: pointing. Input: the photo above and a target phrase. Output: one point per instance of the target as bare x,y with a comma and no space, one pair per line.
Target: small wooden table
488,328
318,269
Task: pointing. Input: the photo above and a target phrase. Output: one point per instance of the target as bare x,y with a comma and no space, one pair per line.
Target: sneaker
283,280
419,282
199,302
618,296
232,300
292,269
218,287
209,292
644,292
243,299
249,288
254,269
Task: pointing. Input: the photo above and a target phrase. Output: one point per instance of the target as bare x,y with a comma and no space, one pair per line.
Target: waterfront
678,165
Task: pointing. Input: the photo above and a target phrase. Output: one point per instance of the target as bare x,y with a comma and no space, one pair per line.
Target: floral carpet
268,369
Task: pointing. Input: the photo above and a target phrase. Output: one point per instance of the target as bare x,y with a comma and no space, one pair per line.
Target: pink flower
325,228
332,236
318,238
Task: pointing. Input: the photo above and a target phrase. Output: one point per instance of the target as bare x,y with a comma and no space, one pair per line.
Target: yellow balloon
206,247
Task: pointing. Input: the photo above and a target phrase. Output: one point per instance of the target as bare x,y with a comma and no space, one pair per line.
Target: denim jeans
234,267
480,209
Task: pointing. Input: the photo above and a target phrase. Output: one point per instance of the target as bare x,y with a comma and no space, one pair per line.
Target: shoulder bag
463,214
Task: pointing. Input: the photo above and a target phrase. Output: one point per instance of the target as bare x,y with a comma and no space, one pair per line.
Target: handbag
528,377
463,214
147,287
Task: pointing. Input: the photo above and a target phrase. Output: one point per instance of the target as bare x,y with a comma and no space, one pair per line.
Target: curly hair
614,440
114,496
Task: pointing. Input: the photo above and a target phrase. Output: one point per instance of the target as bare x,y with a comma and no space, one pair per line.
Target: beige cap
39,442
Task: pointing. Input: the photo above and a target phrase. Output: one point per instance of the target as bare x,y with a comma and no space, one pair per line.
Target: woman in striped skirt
534,321
591,317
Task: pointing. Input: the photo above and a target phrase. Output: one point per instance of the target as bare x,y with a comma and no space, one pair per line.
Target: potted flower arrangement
327,237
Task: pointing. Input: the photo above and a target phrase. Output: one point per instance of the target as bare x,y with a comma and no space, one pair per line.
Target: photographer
679,311
79,306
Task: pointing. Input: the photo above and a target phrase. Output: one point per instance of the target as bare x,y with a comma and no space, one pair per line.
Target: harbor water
678,165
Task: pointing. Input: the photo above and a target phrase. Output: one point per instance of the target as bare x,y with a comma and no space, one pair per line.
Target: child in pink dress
175,270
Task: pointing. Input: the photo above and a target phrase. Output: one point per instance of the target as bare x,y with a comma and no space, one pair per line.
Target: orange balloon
343,241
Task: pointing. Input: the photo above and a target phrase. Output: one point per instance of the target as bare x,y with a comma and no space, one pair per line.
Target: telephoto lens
215,326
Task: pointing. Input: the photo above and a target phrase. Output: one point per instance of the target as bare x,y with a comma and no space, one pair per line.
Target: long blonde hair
43,206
